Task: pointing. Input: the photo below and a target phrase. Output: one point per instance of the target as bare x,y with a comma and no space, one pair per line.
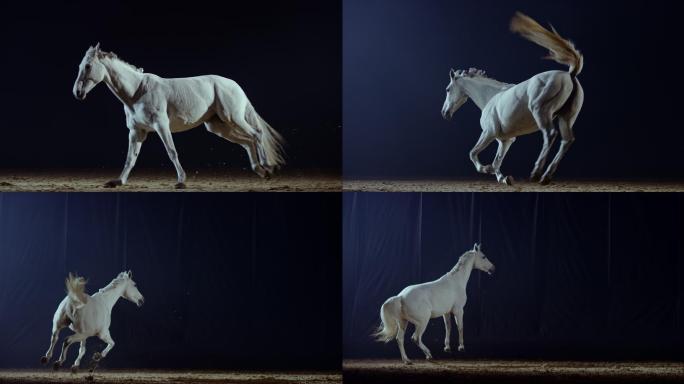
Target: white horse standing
418,304
165,106
511,110
89,315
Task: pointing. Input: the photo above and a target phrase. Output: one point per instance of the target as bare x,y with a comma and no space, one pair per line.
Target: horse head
91,72
130,290
480,260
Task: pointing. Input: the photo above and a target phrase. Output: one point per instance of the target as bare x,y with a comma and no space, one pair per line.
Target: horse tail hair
75,286
561,50
270,143
390,313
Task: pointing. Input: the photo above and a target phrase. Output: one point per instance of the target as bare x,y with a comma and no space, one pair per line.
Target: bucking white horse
166,106
419,303
510,110
89,316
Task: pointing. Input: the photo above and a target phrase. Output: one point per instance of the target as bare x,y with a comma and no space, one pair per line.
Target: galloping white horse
89,315
420,303
511,110
165,106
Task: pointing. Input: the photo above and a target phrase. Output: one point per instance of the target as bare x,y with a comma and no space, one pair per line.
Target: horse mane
461,262
113,284
114,56
474,73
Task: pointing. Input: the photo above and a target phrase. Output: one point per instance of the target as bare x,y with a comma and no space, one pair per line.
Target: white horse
418,304
89,315
511,110
165,106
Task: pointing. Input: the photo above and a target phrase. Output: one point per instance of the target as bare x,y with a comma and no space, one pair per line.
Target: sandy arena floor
501,372
480,185
164,181
47,376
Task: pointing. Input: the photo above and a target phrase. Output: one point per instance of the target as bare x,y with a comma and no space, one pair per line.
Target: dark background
397,56
285,55
230,280
578,276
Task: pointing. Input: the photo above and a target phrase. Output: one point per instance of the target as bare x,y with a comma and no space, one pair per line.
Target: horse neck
121,79
462,274
111,295
481,89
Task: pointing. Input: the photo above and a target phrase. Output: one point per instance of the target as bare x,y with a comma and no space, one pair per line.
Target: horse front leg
447,336
135,141
567,138
458,316
485,139
97,356
164,132
504,146
81,352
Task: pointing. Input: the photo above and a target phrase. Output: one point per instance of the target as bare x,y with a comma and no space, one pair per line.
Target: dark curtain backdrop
586,276
286,55
230,280
397,55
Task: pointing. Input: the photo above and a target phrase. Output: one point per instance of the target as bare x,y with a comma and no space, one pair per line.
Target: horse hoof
508,180
428,358
113,184
447,349
545,181
535,178
74,369
180,186
487,169
461,348
408,362
44,360
89,378
56,366
97,356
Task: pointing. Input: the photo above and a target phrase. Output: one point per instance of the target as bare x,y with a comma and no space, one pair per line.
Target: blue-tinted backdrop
230,280
397,55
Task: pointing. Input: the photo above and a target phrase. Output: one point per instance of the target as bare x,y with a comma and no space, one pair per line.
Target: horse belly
516,121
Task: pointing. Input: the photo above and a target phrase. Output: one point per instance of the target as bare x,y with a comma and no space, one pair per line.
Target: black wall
578,276
286,56
397,56
230,280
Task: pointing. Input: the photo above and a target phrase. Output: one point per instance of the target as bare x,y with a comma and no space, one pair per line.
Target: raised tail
390,314
270,143
560,50
75,286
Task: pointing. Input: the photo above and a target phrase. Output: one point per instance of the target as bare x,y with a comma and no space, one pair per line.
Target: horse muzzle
79,94
141,302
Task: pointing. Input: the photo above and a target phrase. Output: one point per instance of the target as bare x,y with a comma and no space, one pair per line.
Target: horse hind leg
567,138
401,333
418,338
53,341
231,132
65,349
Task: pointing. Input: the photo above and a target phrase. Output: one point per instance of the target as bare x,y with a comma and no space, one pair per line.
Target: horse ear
130,274
452,73
97,46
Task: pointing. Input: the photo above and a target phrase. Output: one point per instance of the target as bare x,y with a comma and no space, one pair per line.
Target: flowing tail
75,286
390,314
270,143
561,50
